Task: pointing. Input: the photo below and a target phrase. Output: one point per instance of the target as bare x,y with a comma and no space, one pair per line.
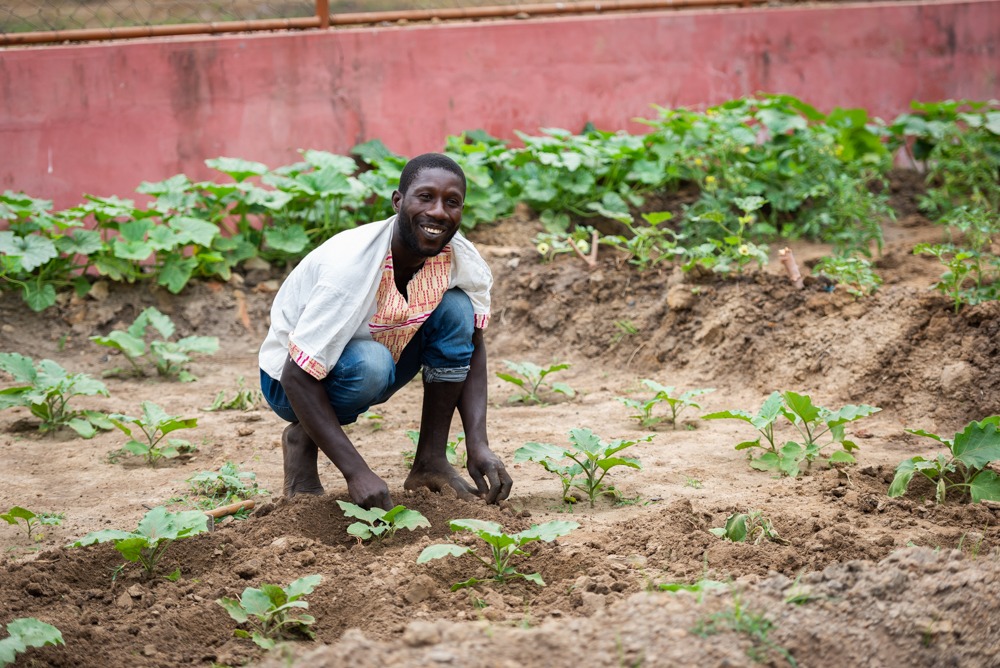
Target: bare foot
437,479
300,455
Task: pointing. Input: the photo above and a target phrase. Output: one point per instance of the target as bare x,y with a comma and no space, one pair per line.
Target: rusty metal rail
323,20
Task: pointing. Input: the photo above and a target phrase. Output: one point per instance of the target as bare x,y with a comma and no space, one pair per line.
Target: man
356,320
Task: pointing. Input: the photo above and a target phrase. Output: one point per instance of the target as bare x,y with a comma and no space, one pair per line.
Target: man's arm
318,419
483,465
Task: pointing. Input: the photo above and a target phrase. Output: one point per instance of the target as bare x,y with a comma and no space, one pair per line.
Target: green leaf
546,532
802,405
175,272
233,607
237,168
206,345
290,239
27,632
16,513
441,550
82,427
39,296
977,445
20,367
194,230
406,518
537,452
534,577
904,474
132,347
304,585
33,250
768,461
357,512
563,388
842,457
132,547
256,602
360,530
985,486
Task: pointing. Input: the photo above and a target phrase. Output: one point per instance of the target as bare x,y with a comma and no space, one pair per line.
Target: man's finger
481,486
506,483
500,484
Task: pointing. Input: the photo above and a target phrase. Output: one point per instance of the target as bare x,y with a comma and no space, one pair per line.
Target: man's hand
368,491
489,474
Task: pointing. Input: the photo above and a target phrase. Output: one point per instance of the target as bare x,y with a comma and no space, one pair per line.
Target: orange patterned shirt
396,320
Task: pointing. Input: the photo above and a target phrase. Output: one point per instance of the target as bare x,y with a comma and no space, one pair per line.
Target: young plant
26,632
271,612
663,394
32,521
170,358
966,280
226,485
154,425
748,527
380,524
854,273
503,548
246,399
148,543
450,449
530,377
964,469
592,459
46,390
812,423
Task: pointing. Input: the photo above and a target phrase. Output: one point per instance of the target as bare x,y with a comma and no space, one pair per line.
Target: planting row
761,168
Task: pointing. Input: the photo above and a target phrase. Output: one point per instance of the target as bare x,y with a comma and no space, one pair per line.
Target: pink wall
102,118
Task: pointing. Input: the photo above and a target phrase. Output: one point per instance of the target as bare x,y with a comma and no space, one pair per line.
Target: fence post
323,12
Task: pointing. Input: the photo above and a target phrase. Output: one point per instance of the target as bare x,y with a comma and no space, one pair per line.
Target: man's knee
455,311
363,374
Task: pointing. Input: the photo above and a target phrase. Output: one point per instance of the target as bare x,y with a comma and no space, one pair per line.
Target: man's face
430,212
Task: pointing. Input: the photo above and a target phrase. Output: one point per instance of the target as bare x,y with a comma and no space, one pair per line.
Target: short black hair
428,161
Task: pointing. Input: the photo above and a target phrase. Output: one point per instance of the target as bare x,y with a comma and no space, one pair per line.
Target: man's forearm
317,417
472,401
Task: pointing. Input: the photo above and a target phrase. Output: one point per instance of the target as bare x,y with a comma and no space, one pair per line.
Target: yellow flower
745,150
543,248
749,218
744,250
697,162
709,179
583,245
839,150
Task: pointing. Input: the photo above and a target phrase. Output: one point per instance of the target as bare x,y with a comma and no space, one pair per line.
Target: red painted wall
102,118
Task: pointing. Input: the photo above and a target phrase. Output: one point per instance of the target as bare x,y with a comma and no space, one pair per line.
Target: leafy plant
26,632
272,612
225,485
591,459
32,521
245,399
648,244
46,389
503,548
752,624
157,530
154,425
854,273
964,469
450,449
964,265
168,357
748,527
812,423
530,378
663,394
380,524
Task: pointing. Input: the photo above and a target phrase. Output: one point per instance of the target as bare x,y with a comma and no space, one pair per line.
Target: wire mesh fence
45,15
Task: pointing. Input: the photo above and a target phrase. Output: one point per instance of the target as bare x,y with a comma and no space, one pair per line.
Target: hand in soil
437,479
368,491
490,476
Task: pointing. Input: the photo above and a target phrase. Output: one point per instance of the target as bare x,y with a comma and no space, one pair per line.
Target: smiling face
429,214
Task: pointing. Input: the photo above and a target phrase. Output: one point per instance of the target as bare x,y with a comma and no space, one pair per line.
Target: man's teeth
434,231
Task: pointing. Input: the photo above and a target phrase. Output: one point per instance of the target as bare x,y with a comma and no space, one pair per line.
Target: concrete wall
101,118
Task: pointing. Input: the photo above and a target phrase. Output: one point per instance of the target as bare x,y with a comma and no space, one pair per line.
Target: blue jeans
366,375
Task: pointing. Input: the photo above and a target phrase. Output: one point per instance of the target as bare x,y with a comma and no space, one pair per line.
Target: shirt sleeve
328,322
472,275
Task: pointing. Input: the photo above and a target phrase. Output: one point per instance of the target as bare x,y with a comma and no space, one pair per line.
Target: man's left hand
489,474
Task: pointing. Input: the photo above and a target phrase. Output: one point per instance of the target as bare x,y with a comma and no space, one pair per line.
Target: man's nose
437,208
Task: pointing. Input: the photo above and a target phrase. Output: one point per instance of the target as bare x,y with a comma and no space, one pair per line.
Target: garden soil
857,579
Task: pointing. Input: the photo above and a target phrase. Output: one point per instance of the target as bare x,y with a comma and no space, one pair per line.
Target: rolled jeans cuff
451,375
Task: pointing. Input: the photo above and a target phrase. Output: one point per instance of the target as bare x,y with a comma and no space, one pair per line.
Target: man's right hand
368,491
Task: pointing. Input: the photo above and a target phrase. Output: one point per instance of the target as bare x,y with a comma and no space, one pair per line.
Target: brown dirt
872,600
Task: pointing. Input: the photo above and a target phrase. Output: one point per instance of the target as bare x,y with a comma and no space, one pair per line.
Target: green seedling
154,425
271,612
591,459
374,419
246,399
226,485
699,588
813,424
32,521
530,378
169,358
26,632
965,278
503,548
663,394
155,533
854,273
752,624
46,390
455,458
748,527
964,469
381,524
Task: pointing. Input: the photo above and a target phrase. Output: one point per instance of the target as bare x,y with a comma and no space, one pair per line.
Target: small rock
124,601
135,591
99,291
420,589
592,603
248,569
149,650
422,633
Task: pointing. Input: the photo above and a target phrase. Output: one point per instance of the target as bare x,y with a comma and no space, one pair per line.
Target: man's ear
397,197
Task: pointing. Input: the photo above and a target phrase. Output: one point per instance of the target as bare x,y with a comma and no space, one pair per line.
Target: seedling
246,399
271,612
812,424
26,632
965,468
225,485
148,543
748,527
663,394
503,548
741,620
854,273
530,378
450,449
381,524
154,425
32,521
46,389
168,357
592,459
